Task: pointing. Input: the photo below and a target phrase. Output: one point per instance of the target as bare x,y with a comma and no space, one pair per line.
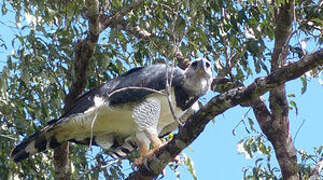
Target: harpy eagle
127,112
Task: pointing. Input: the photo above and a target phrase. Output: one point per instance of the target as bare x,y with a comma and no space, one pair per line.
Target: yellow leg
143,149
143,139
156,142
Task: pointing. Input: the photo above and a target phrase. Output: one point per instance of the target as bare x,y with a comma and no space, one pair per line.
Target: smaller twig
92,126
298,129
309,156
169,84
110,163
117,17
98,167
297,33
318,168
133,88
167,8
168,90
241,121
9,137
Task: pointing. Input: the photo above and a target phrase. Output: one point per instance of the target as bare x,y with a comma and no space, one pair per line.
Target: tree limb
107,21
277,129
136,31
217,105
84,50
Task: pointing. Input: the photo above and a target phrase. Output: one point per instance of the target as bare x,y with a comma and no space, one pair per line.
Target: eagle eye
207,64
194,64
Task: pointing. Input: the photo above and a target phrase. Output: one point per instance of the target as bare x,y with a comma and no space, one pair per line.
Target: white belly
104,119
166,117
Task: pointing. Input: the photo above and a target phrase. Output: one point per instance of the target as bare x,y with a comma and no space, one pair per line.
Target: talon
149,155
138,162
152,152
145,153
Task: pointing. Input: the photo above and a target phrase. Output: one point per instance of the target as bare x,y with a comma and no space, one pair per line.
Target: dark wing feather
153,77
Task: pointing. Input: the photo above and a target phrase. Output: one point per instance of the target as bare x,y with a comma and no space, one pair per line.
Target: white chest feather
102,119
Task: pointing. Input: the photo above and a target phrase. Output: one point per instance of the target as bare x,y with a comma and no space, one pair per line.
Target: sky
214,152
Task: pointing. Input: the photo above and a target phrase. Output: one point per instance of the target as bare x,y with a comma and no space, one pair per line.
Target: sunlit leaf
304,83
292,103
251,124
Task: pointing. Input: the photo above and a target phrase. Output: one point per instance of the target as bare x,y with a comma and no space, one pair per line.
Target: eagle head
198,77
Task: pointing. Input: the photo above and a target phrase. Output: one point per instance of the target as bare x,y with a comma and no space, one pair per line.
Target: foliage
235,35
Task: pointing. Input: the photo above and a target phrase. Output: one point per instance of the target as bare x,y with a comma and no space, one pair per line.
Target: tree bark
84,50
278,131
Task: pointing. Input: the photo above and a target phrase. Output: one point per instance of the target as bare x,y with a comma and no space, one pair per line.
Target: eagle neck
183,99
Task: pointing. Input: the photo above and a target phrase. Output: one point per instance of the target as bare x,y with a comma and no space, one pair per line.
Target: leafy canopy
236,35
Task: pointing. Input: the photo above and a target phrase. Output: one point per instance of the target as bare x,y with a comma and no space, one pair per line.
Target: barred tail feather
124,150
37,142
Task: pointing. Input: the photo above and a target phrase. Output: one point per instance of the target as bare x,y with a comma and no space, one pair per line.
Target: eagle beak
204,65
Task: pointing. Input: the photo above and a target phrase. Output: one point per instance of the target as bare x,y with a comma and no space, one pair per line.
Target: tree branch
262,114
84,50
217,105
277,129
114,20
136,31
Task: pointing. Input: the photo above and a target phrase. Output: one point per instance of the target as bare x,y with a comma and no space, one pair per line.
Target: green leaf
257,65
263,149
233,21
258,161
252,47
241,16
304,83
318,21
319,150
292,103
4,9
251,124
190,167
180,25
204,37
247,130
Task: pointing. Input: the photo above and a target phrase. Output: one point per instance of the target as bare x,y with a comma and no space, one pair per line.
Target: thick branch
277,131
94,26
217,105
262,114
83,52
283,30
